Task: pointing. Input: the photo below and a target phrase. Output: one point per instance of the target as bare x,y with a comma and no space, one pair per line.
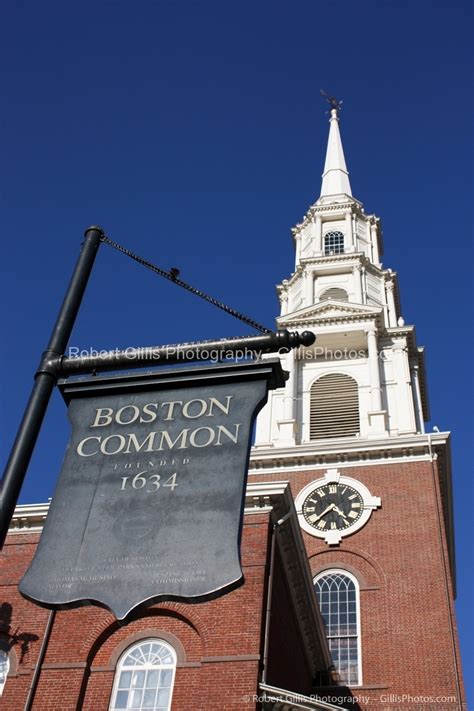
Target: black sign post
45,380
149,502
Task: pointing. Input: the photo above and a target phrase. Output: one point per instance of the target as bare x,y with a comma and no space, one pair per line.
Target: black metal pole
45,380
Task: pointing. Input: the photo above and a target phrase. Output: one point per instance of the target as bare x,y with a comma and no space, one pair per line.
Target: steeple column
349,241
375,243
287,425
392,311
298,247
363,280
377,417
357,274
318,228
290,387
405,397
308,286
415,378
354,230
283,296
375,390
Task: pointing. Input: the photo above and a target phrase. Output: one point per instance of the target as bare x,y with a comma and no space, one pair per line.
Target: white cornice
328,261
353,451
331,259
318,208
28,518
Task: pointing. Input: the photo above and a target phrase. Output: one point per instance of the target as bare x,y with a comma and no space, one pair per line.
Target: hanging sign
149,502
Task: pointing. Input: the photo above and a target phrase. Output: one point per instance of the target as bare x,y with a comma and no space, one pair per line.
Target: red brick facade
219,644
410,656
409,636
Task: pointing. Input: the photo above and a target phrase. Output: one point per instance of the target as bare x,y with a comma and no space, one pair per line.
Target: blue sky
194,133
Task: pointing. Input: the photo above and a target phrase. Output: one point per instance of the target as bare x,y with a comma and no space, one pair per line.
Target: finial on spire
332,101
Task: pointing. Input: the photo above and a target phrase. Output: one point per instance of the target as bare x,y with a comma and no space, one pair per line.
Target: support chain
173,277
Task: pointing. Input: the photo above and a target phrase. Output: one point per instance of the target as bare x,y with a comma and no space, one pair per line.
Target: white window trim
347,574
126,652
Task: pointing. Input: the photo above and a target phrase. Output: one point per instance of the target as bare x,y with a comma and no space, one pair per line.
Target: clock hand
341,513
329,508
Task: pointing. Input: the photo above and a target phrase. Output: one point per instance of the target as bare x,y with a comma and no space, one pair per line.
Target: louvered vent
334,293
334,407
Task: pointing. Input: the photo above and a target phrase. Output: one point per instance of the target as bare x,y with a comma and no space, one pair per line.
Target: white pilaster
298,247
357,274
349,233
415,379
375,391
377,416
283,297
287,425
363,281
319,233
392,311
405,401
308,286
374,243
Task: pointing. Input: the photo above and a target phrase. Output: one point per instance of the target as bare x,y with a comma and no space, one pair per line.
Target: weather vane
332,101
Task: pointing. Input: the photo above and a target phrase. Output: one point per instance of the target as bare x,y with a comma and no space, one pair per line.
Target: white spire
335,176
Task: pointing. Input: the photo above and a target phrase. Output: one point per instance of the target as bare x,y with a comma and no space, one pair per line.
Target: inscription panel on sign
150,497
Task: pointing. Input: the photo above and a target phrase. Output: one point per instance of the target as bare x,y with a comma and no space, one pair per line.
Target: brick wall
219,643
409,635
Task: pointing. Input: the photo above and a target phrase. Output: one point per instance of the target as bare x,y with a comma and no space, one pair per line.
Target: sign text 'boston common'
150,498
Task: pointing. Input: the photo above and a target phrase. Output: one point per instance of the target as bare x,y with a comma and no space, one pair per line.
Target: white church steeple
365,359
335,176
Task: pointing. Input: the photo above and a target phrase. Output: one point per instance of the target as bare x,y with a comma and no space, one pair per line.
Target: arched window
334,293
144,677
334,407
4,667
338,596
333,243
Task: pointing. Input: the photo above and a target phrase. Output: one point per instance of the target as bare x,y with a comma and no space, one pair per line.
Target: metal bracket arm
280,341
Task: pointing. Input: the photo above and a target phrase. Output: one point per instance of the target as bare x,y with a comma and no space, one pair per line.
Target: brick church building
347,544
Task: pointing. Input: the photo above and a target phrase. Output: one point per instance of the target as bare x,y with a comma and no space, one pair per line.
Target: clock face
333,506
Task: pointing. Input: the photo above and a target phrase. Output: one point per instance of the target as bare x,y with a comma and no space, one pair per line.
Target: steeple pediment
330,310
